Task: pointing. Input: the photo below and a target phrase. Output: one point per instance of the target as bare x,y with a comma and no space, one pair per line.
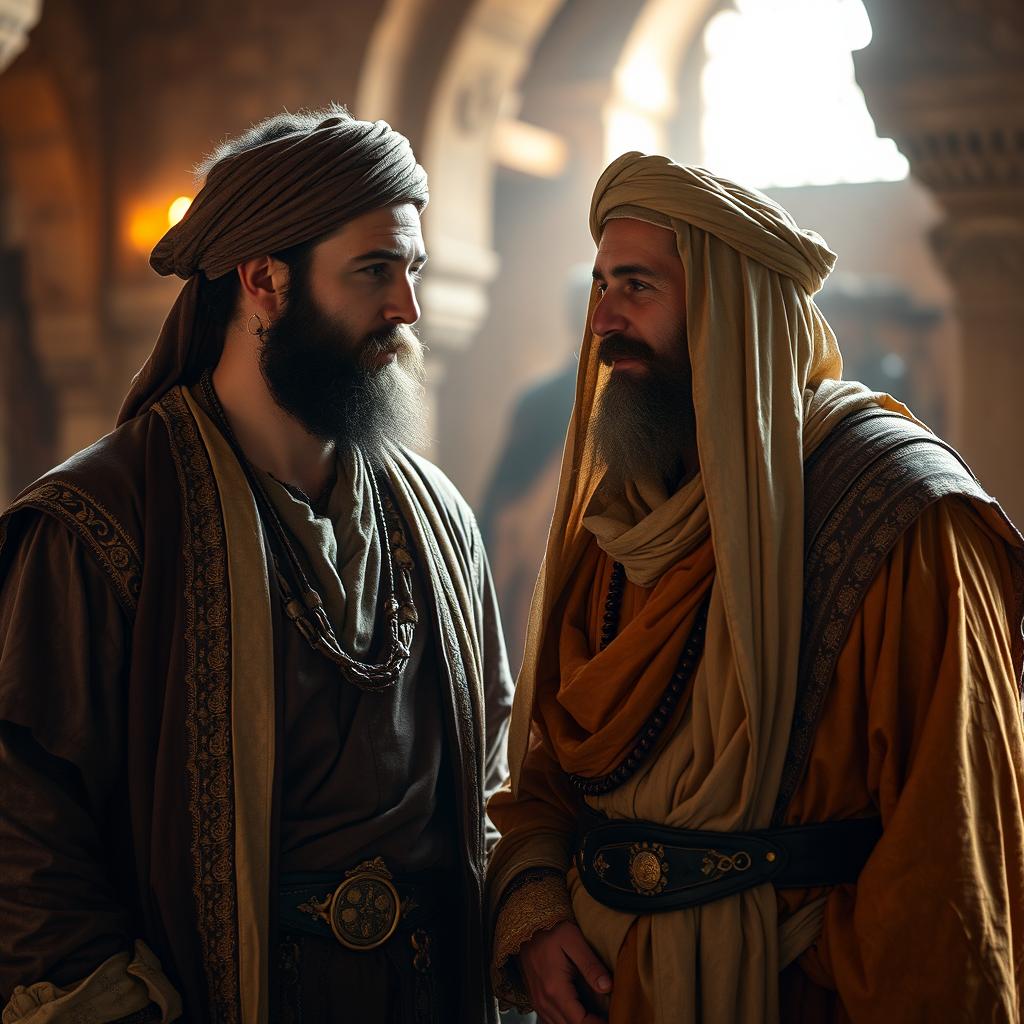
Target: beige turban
264,200
766,391
746,220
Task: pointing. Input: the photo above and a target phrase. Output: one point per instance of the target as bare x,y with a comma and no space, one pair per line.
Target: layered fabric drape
766,389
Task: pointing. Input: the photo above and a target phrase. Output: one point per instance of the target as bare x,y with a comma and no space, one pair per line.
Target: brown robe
116,729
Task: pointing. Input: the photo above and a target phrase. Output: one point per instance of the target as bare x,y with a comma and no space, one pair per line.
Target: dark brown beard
323,377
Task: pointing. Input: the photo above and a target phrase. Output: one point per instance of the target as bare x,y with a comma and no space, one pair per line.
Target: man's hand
564,976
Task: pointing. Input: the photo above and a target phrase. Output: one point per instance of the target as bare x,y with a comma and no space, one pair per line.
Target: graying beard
637,430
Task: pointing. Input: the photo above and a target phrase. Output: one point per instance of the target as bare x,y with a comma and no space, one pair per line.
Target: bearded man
766,748
252,685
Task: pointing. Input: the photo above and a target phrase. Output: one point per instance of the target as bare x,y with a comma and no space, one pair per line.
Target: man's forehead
628,240
392,227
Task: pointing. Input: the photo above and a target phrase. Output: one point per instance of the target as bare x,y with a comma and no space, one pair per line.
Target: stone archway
645,98
448,102
518,321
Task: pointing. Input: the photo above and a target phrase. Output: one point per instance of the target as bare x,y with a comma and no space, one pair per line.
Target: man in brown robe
253,692
767,758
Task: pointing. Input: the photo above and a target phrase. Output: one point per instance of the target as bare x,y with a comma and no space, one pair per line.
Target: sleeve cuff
534,901
121,987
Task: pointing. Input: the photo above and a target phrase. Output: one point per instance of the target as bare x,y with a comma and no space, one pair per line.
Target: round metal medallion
365,911
645,870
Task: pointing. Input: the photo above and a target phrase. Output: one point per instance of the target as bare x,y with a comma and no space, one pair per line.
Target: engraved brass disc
365,911
645,871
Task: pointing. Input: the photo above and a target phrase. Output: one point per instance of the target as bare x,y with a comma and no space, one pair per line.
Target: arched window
781,106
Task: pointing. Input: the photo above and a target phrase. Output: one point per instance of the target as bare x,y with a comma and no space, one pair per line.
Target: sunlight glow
642,83
781,104
627,129
528,149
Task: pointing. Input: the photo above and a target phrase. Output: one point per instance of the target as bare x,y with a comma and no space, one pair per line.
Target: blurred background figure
516,507
913,171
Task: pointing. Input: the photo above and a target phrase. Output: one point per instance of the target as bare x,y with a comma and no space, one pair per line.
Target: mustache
398,340
389,340
620,346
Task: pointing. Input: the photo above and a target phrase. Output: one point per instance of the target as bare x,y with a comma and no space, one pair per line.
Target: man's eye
601,287
377,270
638,286
417,275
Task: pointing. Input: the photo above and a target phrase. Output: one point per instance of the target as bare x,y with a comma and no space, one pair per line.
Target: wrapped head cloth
263,200
767,389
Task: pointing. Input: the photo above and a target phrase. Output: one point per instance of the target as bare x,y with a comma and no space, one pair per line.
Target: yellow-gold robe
922,725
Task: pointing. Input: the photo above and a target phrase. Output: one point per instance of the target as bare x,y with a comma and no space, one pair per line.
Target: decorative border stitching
207,708
862,497
96,526
468,703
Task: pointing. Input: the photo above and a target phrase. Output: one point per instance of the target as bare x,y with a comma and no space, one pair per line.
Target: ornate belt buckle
648,869
363,911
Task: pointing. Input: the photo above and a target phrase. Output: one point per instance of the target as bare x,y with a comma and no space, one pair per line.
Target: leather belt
642,867
363,909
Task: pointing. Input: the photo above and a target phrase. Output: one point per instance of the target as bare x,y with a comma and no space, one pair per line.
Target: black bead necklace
613,605
655,724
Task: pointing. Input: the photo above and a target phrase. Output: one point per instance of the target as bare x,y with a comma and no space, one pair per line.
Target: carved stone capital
984,256
945,79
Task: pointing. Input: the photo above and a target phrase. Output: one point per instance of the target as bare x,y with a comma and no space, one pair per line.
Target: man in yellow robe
766,754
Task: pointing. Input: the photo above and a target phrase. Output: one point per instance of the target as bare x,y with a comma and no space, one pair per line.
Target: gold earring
260,329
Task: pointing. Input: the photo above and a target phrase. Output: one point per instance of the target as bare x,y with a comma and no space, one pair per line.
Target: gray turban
260,201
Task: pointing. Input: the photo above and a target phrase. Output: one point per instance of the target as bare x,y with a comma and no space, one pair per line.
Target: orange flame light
147,224
178,209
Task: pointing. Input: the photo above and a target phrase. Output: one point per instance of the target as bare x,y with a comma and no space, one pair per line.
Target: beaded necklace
306,611
655,724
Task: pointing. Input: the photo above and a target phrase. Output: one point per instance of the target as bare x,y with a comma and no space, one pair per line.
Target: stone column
945,79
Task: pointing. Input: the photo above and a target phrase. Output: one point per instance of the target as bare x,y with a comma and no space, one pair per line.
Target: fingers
567,1009
594,972
556,965
555,1000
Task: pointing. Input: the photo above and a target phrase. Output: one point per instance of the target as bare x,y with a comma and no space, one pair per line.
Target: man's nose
402,306
606,318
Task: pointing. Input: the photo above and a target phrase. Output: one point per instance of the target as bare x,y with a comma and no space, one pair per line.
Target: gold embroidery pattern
881,472
207,707
110,543
539,903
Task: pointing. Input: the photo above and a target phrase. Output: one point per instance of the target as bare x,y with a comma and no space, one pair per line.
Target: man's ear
264,282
